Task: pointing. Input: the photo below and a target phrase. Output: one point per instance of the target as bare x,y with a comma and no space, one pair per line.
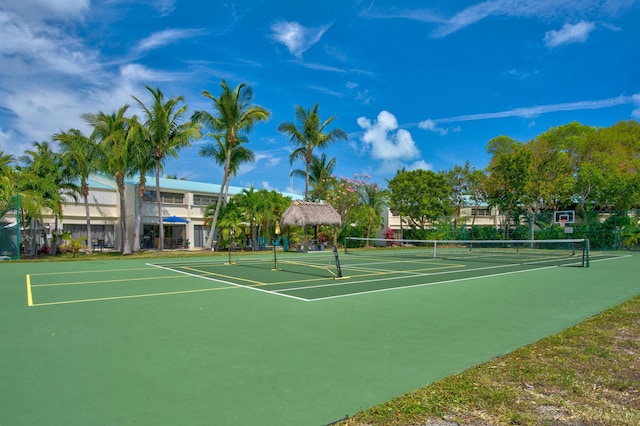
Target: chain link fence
606,230
10,233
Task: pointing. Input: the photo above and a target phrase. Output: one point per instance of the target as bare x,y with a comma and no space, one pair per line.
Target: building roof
101,181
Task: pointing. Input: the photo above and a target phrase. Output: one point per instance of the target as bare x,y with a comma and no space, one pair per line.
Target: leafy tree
422,196
233,118
165,134
308,135
551,178
343,197
477,190
509,173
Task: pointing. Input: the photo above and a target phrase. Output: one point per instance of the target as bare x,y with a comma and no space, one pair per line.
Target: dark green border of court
243,357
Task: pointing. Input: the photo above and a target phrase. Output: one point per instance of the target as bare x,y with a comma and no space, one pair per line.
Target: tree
7,182
234,116
142,160
459,179
165,134
78,153
308,135
551,182
422,196
509,173
112,132
372,200
320,175
56,181
477,190
218,153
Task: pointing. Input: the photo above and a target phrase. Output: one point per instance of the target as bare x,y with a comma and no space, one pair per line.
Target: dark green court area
272,339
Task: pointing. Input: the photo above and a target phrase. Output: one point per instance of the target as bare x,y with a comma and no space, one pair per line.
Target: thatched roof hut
307,213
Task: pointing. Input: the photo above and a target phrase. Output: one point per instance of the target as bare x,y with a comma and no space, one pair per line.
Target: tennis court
308,277
287,338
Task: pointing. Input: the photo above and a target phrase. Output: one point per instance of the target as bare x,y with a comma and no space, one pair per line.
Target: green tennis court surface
264,340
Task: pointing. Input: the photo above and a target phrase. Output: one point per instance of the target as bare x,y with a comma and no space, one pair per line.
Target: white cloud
432,126
543,10
136,73
420,165
636,112
296,37
22,45
38,10
166,37
542,109
386,141
578,33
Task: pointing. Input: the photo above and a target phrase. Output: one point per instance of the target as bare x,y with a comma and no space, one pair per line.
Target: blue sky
415,84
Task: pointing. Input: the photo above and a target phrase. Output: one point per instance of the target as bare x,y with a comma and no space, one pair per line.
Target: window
481,211
165,197
204,200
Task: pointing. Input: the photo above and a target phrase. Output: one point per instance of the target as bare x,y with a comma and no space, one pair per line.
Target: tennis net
567,252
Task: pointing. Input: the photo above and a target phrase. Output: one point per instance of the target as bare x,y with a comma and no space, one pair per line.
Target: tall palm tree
78,152
234,116
308,135
165,134
142,162
112,131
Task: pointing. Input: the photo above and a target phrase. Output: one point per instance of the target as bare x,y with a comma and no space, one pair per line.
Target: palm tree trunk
124,245
136,231
85,196
221,197
160,226
54,236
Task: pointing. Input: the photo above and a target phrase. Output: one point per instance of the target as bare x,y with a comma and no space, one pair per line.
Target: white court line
427,284
455,280
343,283
424,274
228,282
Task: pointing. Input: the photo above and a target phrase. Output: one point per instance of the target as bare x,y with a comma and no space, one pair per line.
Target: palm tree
55,181
17,183
319,175
309,135
78,152
218,153
6,182
112,131
374,199
142,162
165,135
233,118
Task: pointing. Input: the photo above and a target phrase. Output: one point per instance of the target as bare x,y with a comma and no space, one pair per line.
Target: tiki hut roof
307,213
